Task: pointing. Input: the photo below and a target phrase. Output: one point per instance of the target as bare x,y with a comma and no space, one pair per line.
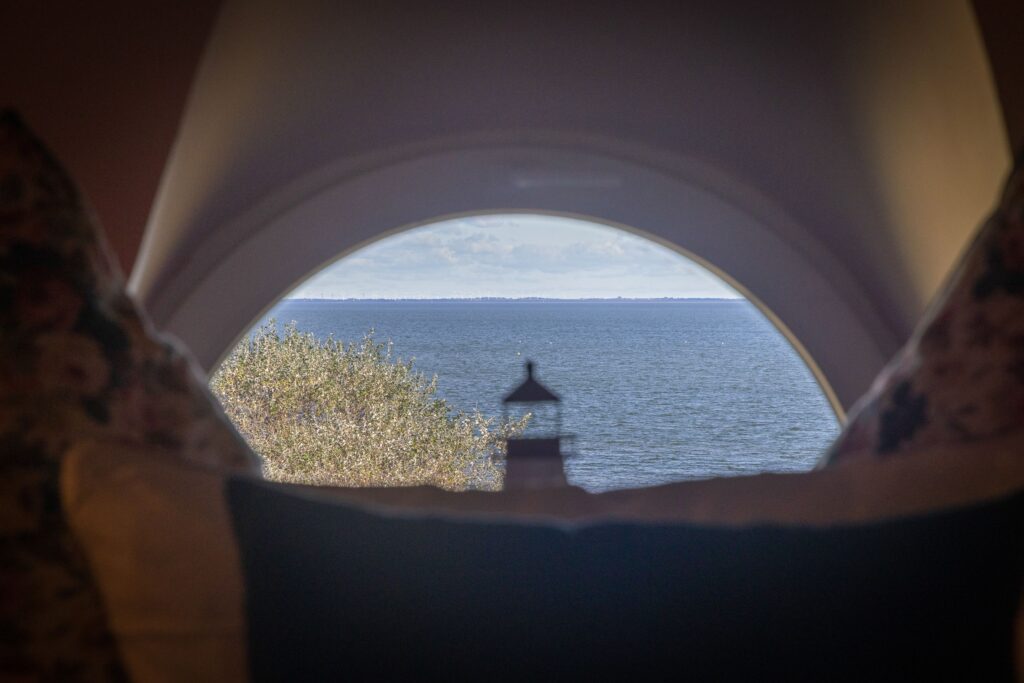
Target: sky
513,255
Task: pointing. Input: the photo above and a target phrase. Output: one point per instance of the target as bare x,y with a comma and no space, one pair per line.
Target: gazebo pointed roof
530,391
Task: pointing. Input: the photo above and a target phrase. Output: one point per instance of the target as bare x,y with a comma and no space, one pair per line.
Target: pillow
960,378
77,361
333,591
158,536
162,542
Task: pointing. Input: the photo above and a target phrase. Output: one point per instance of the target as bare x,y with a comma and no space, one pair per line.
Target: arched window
667,372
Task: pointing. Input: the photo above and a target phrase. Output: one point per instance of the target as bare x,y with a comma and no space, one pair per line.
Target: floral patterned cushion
77,362
960,378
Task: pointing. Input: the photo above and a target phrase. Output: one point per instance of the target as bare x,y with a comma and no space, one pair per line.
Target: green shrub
321,412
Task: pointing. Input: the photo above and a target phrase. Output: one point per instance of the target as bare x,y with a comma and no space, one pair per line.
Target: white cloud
514,255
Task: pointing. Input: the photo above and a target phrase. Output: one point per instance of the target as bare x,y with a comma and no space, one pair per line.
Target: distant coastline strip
528,299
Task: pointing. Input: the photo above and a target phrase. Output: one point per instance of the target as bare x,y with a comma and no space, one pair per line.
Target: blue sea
652,392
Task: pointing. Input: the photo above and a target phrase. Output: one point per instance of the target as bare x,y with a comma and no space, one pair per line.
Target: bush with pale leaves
322,412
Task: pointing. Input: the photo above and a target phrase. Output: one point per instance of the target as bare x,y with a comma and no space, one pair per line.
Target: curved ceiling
691,207
864,142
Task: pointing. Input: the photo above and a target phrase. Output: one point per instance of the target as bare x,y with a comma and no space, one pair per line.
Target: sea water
652,392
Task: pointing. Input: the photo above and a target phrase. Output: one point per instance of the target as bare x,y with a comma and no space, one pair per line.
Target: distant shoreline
527,299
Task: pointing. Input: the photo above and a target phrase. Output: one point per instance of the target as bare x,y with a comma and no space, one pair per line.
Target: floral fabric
77,362
960,378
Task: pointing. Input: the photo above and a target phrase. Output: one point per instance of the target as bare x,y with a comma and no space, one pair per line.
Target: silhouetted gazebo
534,460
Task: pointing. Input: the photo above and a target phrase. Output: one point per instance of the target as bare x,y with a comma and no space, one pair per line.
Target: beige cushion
157,534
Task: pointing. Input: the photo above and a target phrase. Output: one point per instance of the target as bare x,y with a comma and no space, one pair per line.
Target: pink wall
104,83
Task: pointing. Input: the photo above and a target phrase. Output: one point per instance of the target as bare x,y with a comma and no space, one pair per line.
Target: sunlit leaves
322,412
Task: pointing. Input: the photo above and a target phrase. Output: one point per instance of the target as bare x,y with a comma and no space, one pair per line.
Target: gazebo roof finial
530,391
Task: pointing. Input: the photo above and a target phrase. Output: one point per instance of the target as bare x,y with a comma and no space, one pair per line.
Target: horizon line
519,298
